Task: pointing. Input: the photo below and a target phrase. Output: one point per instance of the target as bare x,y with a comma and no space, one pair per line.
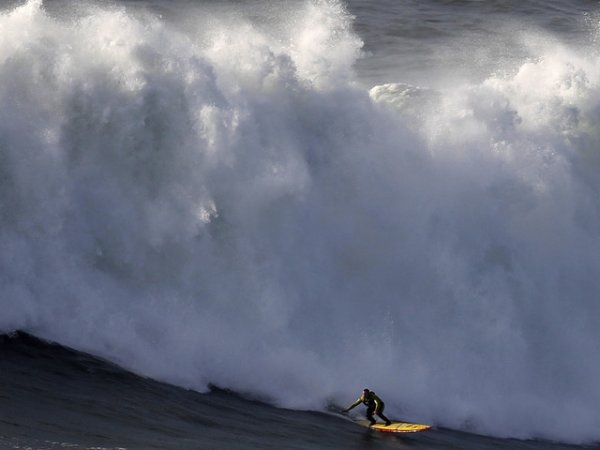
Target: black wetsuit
374,405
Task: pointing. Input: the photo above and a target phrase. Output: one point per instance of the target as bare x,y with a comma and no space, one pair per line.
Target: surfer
373,404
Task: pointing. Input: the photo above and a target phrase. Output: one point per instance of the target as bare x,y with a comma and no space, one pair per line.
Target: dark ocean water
219,218
429,41
54,397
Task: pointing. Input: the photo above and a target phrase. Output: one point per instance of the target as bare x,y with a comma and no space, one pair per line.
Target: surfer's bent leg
380,414
370,411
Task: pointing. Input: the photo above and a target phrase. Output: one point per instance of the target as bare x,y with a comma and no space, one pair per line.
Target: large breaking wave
227,205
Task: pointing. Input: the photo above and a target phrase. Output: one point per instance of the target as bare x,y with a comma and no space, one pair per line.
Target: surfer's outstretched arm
356,403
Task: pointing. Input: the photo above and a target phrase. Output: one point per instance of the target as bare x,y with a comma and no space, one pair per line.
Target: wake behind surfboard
395,427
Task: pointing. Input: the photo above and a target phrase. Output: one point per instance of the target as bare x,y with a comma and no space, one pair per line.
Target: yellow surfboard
395,427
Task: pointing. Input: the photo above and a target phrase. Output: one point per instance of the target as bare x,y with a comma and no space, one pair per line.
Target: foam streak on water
227,205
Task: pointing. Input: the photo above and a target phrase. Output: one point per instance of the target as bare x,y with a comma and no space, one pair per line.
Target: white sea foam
227,206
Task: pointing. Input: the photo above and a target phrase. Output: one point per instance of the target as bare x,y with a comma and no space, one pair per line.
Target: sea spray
225,205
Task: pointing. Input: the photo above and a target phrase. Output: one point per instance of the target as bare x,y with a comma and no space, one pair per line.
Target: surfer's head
366,392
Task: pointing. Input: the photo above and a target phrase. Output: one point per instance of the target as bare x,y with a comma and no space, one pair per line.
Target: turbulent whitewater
219,199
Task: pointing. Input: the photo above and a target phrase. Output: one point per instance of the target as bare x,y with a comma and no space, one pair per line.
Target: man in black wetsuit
373,404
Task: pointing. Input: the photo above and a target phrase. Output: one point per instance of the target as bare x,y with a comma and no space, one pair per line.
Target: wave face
60,398
223,203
